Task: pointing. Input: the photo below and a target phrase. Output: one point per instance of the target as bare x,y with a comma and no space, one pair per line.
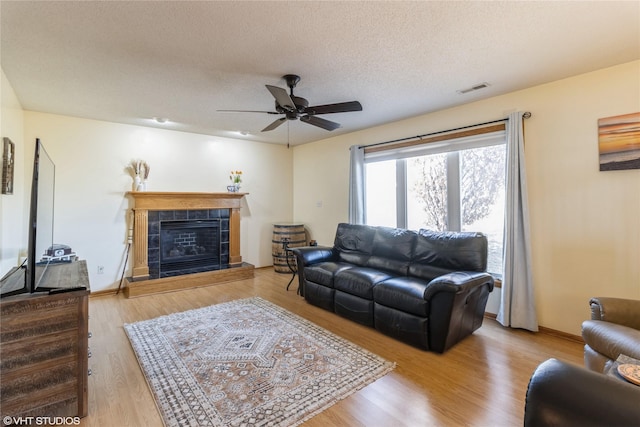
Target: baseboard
560,334
103,293
547,331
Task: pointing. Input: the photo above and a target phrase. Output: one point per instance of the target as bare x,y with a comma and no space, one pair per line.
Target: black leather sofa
560,394
426,288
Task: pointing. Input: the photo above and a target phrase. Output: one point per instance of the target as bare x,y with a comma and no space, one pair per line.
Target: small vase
136,183
231,188
237,188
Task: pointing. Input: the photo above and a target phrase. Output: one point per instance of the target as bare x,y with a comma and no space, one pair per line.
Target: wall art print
619,142
8,160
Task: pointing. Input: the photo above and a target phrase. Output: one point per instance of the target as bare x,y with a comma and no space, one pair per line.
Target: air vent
473,88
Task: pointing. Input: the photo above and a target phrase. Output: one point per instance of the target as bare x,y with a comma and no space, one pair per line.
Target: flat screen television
27,279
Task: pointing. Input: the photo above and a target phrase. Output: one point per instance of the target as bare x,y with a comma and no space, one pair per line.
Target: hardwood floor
481,381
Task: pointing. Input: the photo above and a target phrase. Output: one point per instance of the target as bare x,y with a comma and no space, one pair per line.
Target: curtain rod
525,115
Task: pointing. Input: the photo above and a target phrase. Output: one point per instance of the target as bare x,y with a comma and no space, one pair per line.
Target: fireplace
189,247
185,240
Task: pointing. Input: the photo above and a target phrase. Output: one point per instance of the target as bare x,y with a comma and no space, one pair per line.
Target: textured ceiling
127,62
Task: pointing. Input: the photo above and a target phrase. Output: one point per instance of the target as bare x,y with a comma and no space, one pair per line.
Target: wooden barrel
294,235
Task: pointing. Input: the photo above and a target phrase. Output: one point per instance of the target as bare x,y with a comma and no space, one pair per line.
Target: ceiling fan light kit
295,107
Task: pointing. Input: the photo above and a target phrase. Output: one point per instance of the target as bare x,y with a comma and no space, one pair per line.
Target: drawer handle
89,372
89,335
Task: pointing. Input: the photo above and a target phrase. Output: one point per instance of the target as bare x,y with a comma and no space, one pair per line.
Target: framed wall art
8,160
619,142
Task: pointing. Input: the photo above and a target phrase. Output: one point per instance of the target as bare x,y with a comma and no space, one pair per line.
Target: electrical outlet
101,269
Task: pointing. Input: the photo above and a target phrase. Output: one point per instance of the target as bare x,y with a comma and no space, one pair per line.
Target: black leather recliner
560,394
426,288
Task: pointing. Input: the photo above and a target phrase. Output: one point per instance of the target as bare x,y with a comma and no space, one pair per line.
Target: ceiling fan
294,107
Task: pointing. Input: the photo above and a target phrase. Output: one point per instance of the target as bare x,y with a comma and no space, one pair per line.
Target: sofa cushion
354,243
359,281
392,250
398,324
355,308
323,272
440,252
318,295
403,293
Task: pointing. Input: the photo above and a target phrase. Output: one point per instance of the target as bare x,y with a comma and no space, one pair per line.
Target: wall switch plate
101,269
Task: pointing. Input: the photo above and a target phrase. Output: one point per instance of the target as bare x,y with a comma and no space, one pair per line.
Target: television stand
44,346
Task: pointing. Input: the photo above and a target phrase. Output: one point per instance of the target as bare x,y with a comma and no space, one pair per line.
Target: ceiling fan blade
275,124
341,107
321,123
282,97
247,111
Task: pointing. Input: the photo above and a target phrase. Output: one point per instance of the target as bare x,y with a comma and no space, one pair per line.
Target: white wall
585,224
12,213
91,210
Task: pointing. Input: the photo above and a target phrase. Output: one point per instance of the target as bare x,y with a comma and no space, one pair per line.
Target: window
380,194
458,185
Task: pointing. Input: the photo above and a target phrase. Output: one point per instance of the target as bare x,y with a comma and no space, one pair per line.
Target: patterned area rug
247,363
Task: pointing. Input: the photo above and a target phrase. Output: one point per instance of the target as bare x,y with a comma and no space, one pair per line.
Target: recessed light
160,120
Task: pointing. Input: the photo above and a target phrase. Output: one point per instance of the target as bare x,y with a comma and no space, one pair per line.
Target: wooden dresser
44,347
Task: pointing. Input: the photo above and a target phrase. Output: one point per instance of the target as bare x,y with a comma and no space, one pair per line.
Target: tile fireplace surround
141,283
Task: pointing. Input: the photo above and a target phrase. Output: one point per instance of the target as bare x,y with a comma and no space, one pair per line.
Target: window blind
441,143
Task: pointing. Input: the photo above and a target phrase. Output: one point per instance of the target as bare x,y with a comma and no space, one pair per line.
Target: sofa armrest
457,302
457,281
622,311
560,394
610,339
308,255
